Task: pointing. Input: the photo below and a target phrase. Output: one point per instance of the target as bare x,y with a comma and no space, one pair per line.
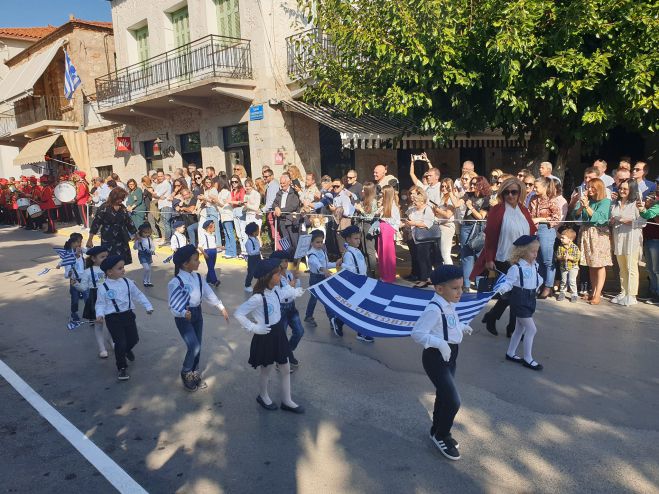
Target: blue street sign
256,112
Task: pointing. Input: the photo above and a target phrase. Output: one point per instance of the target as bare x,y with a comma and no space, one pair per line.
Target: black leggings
500,307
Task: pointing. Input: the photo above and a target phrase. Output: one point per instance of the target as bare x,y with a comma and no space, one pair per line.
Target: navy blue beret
182,255
525,240
345,233
251,228
207,223
265,267
110,262
94,251
444,273
280,254
178,223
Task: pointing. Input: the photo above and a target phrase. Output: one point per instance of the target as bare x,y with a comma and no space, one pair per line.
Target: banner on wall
122,143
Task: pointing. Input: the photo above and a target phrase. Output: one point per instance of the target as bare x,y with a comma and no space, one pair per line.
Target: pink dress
387,247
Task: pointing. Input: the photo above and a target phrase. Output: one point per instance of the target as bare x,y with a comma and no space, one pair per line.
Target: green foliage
564,70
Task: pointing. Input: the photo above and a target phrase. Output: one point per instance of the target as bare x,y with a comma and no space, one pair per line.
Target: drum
23,203
34,211
56,201
65,192
12,189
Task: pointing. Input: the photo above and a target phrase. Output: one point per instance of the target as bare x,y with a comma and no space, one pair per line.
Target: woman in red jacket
506,222
46,203
82,197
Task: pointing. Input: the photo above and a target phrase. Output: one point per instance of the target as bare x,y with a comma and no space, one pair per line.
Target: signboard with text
256,112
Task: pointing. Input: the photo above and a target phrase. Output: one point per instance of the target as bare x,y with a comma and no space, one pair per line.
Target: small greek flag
285,243
68,257
42,272
179,299
71,78
167,259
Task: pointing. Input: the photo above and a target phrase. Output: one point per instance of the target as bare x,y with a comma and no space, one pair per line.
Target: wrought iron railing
303,48
210,56
28,111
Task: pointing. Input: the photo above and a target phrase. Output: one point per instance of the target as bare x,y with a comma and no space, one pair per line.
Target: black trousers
447,399
123,330
500,307
422,254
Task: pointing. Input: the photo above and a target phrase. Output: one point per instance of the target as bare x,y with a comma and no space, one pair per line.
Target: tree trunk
537,151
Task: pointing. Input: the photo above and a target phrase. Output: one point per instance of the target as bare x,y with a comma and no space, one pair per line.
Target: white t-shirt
514,225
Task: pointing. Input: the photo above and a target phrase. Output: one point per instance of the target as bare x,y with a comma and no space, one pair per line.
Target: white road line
92,453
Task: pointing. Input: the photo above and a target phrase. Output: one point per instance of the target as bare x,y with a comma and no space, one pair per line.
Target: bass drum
22,203
65,192
34,211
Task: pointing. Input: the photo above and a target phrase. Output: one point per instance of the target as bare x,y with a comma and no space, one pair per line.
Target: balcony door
181,25
180,60
228,18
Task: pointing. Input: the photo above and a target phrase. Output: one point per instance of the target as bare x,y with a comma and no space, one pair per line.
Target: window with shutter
181,25
142,38
228,18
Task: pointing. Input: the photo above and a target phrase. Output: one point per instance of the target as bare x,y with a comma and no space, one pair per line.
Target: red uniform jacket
492,232
82,194
47,193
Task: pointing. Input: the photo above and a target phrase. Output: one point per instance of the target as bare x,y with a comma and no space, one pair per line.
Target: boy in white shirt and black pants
354,261
440,331
115,305
253,247
319,267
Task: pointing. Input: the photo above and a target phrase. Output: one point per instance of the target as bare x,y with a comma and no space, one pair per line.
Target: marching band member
186,291
47,204
440,331
269,344
115,305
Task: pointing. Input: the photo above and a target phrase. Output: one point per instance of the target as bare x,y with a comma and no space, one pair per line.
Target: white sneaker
249,289
629,300
618,298
103,354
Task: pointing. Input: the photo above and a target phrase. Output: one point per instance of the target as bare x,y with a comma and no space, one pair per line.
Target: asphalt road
587,423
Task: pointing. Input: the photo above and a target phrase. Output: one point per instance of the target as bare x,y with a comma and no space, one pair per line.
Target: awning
21,79
76,142
35,150
370,132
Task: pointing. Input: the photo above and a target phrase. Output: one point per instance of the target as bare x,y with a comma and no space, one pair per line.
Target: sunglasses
473,184
336,186
510,192
235,182
266,176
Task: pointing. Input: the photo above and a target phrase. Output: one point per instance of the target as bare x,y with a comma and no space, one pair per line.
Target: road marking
92,453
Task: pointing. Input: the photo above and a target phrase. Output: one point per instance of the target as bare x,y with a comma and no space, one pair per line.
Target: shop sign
123,143
256,112
279,158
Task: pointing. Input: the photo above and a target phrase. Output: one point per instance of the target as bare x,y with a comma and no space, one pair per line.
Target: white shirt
253,307
318,261
627,238
284,281
164,190
207,240
271,194
253,246
253,202
284,197
353,261
191,280
394,221
434,192
144,245
79,267
532,280
226,209
342,200
425,215
178,240
120,292
514,225
607,179
429,330
86,283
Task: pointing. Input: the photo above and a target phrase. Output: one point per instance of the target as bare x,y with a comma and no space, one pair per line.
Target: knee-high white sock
98,333
515,338
529,333
285,376
146,278
264,378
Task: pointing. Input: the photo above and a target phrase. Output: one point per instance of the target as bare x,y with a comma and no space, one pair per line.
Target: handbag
425,235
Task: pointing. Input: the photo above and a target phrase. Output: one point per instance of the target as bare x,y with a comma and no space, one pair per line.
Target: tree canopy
564,70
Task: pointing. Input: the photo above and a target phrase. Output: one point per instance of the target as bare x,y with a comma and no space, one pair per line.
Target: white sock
263,384
98,333
285,376
515,338
147,273
529,334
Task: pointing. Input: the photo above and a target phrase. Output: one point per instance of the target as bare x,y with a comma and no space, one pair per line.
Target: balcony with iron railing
303,48
209,57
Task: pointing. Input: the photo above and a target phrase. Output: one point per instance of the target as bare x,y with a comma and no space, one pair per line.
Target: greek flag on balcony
386,310
71,79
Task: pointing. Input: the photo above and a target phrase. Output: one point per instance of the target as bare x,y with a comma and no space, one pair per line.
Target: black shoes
515,358
197,378
123,375
270,407
336,328
130,355
365,338
533,365
189,381
448,438
298,409
490,324
311,321
446,447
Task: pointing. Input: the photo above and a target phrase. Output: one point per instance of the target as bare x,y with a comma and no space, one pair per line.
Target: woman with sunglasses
237,202
477,204
506,222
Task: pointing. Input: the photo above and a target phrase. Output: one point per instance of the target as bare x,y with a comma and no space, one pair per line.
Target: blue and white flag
168,259
68,257
71,78
383,309
180,298
285,243
43,271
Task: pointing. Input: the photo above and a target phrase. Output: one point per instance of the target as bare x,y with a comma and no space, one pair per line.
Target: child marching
523,280
185,293
145,250
178,237
208,248
253,246
115,303
440,332
73,262
269,344
319,267
90,279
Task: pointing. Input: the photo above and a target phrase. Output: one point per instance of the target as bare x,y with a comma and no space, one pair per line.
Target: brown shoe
544,293
595,301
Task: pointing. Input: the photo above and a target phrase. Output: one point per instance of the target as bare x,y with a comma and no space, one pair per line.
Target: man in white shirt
467,166
546,168
162,192
600,166
342,209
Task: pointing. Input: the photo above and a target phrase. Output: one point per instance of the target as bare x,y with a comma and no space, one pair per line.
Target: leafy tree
567,71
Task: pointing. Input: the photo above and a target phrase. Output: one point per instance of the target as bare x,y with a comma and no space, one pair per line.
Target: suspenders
141,247
521,276
265,308
114,302
91,271
354,258
444,323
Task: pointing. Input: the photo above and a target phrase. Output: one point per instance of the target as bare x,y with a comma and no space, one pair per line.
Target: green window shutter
142,37
228,18
181,23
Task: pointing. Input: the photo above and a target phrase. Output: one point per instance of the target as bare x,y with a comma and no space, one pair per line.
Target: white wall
7,168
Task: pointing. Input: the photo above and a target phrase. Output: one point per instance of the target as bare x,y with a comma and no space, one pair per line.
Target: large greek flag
386,310
71,78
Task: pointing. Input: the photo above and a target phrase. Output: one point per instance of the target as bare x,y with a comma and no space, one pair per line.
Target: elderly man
272,187
545,171
467,166
162,192
381,178
286,206
600,166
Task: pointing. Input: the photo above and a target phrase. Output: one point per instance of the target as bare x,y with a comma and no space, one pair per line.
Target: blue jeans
311,305
291,317
166,223
192,233
547,238
467,255
651,252
76,296
230,247
447,399
211,258
191,332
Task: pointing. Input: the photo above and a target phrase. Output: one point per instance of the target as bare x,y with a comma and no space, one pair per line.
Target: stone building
38,119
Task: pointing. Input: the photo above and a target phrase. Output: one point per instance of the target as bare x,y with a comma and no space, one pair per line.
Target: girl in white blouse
269,343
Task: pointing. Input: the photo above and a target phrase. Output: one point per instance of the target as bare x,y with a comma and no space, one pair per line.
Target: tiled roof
27,33
93,23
